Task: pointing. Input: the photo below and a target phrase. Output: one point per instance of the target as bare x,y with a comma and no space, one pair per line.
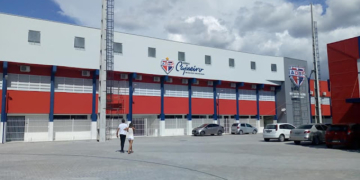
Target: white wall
57,48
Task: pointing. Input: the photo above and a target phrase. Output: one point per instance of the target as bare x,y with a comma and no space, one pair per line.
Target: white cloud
269,27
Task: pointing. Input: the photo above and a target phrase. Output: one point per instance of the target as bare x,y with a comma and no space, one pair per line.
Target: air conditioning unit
185,81
24,68
210,83
324,93
156,79
272,88
138,77
169,80
124,76
253,86
233,85
197,82
311,92
85,73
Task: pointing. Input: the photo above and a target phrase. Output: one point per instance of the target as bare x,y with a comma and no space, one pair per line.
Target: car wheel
281,138
267,140
241,132
329,146
315,140
219,133
254,132
202,133
297,142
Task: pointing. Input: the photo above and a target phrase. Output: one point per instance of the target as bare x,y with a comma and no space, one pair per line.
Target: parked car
279,131
243,128
343,134
208,129
309,132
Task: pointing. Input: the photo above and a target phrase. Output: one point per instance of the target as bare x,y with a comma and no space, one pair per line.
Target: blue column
258,87
237,117
93,111
52,93
162,80
276,109
132,76
190,91
311,120
4,92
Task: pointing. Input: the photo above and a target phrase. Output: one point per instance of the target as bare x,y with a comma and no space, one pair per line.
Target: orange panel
28,102
325,110
176,105
72,103
247,107
267,108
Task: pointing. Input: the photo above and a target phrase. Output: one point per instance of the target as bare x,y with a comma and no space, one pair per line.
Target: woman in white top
130,136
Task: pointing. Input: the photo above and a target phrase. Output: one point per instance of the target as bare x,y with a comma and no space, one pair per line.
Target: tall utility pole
102,77
318,115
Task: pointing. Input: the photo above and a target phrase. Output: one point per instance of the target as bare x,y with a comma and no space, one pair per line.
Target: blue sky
42,9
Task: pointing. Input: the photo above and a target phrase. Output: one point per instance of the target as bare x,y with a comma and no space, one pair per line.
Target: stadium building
49,79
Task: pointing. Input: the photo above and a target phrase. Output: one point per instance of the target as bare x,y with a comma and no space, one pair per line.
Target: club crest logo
167,65
297,75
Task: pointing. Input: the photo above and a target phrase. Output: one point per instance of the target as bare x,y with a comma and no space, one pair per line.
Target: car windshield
204,125
308,126
270,126
338,128
235,124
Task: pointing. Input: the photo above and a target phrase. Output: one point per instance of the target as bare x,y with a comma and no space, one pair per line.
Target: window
211,125
273,68
290,126
231,62
117,48
242,125
34,36
235,124
68,117
318,127
248,125
215,125
151,52
79,43
207,59
324,127
305,127
270,127
283,126
181,56
253,65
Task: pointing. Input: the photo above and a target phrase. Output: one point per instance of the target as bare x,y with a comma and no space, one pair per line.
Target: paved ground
224,157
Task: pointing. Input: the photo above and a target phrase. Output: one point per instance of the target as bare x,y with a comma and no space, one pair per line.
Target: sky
267,27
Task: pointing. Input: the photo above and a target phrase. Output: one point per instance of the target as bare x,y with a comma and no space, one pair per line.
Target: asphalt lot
212,157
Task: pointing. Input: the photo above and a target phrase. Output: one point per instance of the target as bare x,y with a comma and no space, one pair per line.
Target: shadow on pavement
323,146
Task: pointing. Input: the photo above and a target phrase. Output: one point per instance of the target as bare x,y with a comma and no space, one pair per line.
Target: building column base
51,131
93,130
215,122
237,121
275,121
3,132
162,128
258,124
189,127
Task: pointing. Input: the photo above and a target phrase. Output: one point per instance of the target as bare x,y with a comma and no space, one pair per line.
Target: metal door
226,125
139,124
15,128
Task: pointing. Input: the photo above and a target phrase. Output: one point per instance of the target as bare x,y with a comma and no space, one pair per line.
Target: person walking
130,136
121,130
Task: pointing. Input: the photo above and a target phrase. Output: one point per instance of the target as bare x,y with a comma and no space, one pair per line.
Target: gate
140,126
226,123
15,128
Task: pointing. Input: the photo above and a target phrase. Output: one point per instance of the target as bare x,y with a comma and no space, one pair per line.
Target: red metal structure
343,59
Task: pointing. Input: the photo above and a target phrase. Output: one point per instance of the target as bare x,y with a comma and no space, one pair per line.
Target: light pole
310,94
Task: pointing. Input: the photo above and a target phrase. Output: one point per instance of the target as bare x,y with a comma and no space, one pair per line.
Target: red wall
247,107
175,105
146,105
28,102
325,110
323,88
342,58
72,103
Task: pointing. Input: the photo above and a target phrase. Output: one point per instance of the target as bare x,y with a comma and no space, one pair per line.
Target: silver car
243,128
309,132
208,129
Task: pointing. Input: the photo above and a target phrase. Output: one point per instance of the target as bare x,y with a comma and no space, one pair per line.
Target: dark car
208,129
343,134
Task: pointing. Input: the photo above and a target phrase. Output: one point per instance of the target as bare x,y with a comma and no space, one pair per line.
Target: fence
175,127
72,129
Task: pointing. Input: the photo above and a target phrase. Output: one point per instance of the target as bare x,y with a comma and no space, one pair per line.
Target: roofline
141,35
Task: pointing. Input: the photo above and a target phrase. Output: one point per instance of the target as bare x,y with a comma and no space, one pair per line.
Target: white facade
57,48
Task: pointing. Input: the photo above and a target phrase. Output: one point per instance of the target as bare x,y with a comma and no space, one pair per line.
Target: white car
280,131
